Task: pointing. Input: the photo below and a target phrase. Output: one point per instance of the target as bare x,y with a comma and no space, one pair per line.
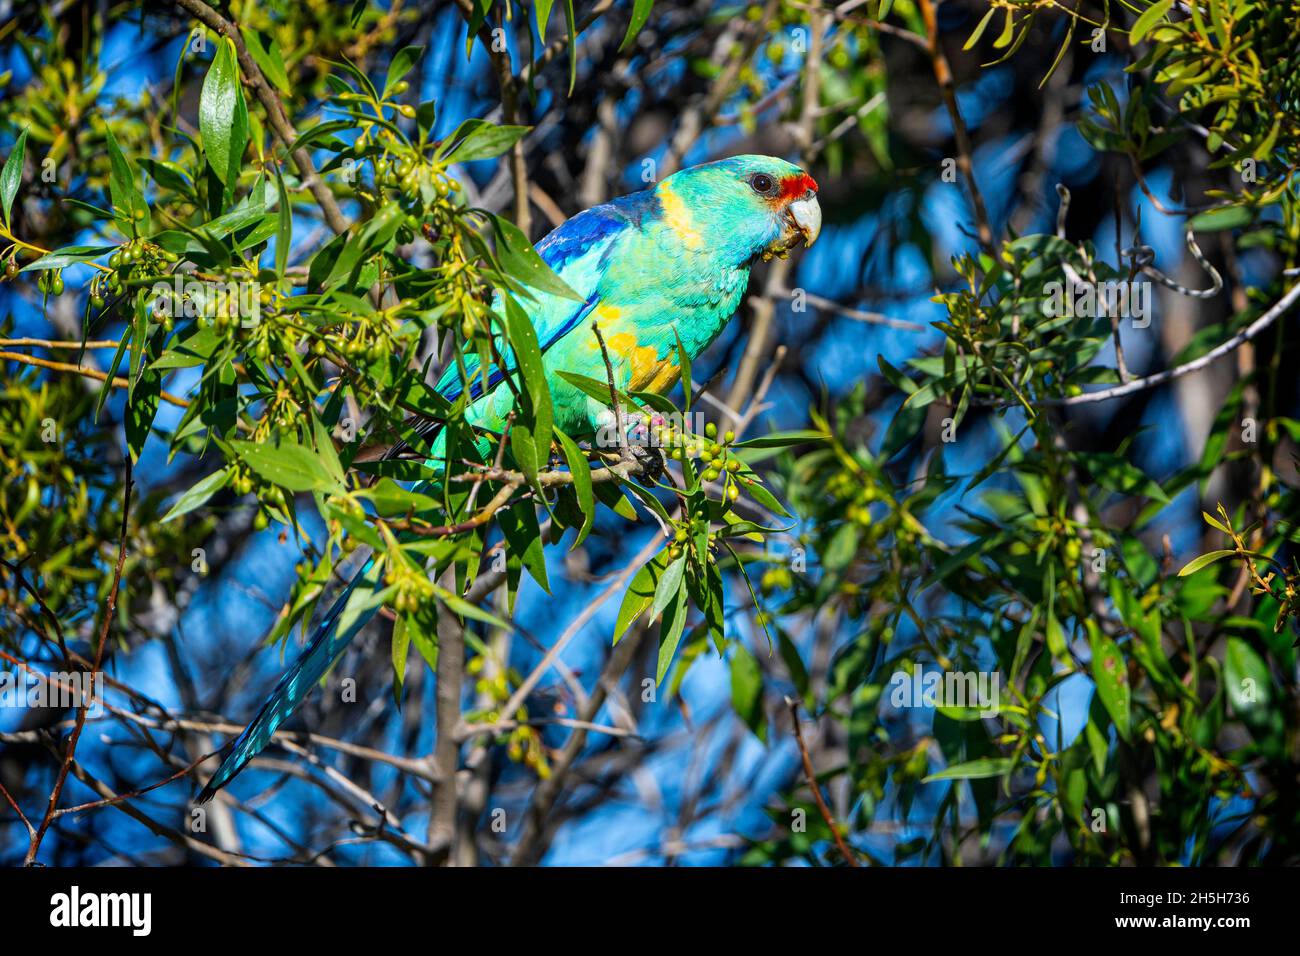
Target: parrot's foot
652,461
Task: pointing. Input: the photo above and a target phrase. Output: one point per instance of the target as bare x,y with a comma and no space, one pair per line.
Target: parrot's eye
762,183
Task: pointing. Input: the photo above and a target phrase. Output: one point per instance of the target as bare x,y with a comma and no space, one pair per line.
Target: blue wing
577,251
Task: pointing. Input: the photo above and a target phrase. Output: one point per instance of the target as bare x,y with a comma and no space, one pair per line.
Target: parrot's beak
806,217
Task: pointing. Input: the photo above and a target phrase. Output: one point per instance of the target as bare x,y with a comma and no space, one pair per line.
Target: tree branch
275,112
947,88
812,785
1159,378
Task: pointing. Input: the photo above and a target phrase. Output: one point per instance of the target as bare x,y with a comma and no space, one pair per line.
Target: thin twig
857,315
109,607
1150,381
764,306
812,784
948,90
510,111
118,380
615,404
52,344
526,686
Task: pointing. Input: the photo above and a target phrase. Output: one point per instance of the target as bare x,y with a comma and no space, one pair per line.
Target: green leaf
670,634
426,114
1115,474
284,228
142,406
1215,522
747,690
422,629
1217,220
528,356
542,15
640,594
12,175
401,649
1249,683
580,469
783,439
518,257
66,256
519,526
1203,561
595,388
128,202
1008,30
571,24
479,139
223,115
1149,18
979,769
760,494
903,427
289,465
668,587
1054,634
684,364
1110,674
391,499
474,612
979,29
166,174
793,663
266,54
198,494
401,64
842,548
640,13
350,68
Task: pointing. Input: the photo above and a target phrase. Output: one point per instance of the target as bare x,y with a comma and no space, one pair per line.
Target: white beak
807,216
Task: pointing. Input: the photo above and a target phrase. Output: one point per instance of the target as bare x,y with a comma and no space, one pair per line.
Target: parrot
666,265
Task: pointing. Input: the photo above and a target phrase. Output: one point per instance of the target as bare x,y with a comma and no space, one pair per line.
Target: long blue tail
354,607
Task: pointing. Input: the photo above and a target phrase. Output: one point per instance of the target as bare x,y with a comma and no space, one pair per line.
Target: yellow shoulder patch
678,217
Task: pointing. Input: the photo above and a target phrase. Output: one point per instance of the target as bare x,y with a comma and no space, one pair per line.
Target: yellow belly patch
647,372
664,379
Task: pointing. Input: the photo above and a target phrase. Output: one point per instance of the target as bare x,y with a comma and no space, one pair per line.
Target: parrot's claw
652,461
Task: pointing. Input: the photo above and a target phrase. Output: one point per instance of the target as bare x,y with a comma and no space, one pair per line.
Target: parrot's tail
349,614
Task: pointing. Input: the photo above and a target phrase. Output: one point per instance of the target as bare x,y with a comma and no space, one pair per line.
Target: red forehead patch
795,187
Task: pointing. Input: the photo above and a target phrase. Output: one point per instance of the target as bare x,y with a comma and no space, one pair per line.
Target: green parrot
665,264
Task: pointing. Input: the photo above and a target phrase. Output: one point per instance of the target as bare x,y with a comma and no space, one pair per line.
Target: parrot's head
744,207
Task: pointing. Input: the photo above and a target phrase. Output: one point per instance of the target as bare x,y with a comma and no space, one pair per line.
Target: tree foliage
250,276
